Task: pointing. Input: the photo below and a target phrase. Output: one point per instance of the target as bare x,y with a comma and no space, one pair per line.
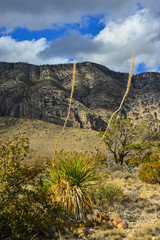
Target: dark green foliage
147,158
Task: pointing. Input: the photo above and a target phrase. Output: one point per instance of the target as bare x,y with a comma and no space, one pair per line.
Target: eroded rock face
42,92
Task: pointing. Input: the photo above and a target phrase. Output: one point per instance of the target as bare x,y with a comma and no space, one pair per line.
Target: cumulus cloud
129,25
113,46
140,33
25,51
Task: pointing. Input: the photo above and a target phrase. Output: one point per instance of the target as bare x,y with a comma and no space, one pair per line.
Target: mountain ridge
42,92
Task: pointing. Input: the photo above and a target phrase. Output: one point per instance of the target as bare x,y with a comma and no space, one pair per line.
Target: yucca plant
68,183
68,178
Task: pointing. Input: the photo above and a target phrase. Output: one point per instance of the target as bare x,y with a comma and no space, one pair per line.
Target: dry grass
43,136
147,232
112,234
142,211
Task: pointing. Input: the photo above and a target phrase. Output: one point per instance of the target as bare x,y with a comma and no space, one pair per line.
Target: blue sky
101,31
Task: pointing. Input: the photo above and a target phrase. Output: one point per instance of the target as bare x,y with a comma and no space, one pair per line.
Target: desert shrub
116,167
134,162
120,174
28,213
150,172
14,175
25,207
68,180
154,157
101,157
107,194
150,157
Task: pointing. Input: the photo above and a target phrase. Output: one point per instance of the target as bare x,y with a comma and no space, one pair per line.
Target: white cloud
113,46
25,51
139,32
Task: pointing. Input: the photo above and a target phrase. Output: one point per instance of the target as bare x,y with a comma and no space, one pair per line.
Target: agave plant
68,182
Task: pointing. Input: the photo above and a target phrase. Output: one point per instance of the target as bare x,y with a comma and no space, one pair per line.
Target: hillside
34,99
42,92
43,136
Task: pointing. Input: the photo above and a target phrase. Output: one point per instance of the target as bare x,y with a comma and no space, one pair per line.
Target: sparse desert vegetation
103,194
28,210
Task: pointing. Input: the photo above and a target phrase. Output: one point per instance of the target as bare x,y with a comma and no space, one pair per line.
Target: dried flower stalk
69,109
127,90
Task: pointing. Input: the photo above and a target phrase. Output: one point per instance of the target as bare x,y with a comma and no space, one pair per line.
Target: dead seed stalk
110,120
69,109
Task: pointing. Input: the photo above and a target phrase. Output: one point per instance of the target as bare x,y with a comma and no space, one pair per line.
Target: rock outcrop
42,92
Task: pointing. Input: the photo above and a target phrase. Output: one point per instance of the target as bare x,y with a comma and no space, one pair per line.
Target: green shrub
107,194
150,172
150,157
134,161
25,207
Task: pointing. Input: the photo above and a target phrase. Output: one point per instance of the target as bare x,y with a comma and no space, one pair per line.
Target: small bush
133,162
101,157
150,172
150,157
107,194
25,207
116,167
121,175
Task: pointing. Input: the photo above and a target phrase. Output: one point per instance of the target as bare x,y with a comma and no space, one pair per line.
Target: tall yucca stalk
67,178
114,113
69,109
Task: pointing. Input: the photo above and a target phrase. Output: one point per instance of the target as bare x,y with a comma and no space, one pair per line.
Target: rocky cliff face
42,92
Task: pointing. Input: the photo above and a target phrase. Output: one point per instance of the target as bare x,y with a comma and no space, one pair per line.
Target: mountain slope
42,92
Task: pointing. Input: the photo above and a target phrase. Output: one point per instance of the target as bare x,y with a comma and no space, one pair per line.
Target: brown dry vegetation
139,203
43,136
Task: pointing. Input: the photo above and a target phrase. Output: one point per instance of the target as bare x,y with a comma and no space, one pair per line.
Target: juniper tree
124,137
